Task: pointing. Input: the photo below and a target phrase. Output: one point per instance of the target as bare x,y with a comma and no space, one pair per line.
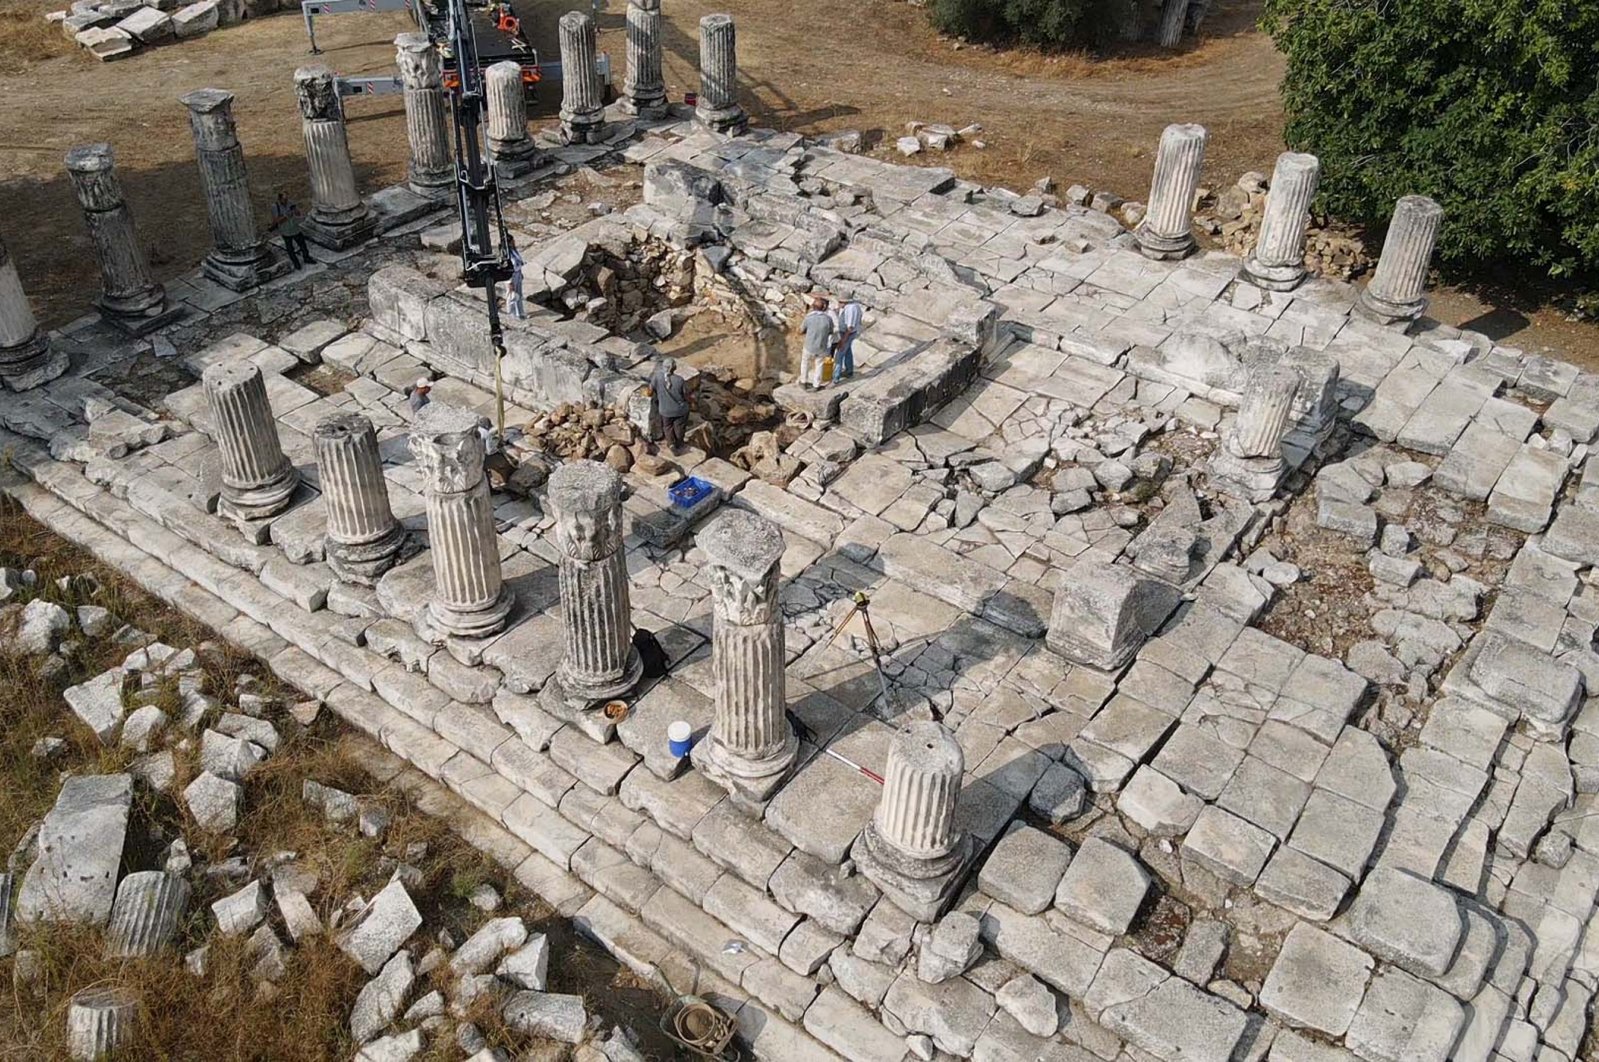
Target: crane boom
485,241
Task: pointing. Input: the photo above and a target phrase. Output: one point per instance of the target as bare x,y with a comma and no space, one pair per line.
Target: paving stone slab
74,876
1295,882
1103,887
1407,921
1025,868
1403,1019
1317,981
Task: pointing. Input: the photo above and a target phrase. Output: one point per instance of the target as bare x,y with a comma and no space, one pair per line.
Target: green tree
1044,23
1489,106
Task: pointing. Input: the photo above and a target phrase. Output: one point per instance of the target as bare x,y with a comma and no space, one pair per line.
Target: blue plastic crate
689,492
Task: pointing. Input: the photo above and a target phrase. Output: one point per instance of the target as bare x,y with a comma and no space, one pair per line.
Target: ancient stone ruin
1234,623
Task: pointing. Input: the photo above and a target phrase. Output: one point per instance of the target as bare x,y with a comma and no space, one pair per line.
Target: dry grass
26,38
228,1014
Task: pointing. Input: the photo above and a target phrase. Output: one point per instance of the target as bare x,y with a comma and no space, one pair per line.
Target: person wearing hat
419,394
819,331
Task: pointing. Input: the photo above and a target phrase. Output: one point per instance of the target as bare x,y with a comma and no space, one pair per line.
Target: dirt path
845,65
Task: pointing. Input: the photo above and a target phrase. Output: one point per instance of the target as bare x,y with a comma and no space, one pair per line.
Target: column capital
585,499
448,448
317,93
418,61
742,554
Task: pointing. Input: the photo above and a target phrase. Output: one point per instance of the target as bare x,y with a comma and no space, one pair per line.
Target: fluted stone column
1249,463
470,599
600,663
363,537
911,848
1278,260
1167,230
510,147
1315,409
258,480
149,907
582,96
1397,289
339,217
240,258
100,1021
26,357
431,168
751,746
130,298
1173,19
8,940
718,108
644,91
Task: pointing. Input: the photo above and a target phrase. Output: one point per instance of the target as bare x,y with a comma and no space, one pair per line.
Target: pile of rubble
114,29
924,136
631,291
1233,215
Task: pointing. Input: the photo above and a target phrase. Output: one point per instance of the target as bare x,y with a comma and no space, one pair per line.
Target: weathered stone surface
551,1015
382,998
74,877
98,703
1103,887
1403,1019
1317,981
379,931
1104,612
1025,868
1228,846
214,802
149,908
1407,921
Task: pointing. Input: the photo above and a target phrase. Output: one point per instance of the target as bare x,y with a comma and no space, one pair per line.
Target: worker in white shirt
848,314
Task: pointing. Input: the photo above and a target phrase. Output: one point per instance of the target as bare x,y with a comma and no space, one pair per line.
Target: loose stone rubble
1235,641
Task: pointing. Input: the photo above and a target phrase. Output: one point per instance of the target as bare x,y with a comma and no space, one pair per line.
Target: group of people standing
829,333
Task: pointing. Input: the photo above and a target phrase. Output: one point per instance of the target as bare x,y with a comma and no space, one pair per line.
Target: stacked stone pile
1234,216
115,29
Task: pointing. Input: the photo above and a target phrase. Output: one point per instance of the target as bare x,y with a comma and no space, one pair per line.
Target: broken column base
750,782
1163,248
1376,308
729,121
242,276
1273,278
583,129
137,325
33,370
922,888
650,108
364,563
440,621
251,507
515,161
1254,479
343,235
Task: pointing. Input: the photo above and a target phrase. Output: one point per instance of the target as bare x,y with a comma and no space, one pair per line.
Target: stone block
1317,981
1298,883
1025,868
381,928
1337,831
821,890
74,875
1403,1019
954,1012
1526,684
1104,612
1103,887
1265,796
1059,959
1407,921
1227,846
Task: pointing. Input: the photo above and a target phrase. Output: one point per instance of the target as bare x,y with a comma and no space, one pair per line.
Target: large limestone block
74,878
1407,921
195,20
1317,981
380,930
1104,612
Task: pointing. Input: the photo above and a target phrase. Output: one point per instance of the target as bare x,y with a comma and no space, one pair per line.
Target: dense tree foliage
1045,23
1491,107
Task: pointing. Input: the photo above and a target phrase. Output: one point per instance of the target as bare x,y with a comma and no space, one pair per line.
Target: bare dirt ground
839,64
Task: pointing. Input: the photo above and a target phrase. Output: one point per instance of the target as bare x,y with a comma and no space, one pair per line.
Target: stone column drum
363,537
1397,289
1278,260
431,168
718,108
130,300
470,599
1167,231
100,1021
510,148
258,480
600,663
1249,463
26,357
644,91
582,96
339,218
240,258
751,747
911,848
